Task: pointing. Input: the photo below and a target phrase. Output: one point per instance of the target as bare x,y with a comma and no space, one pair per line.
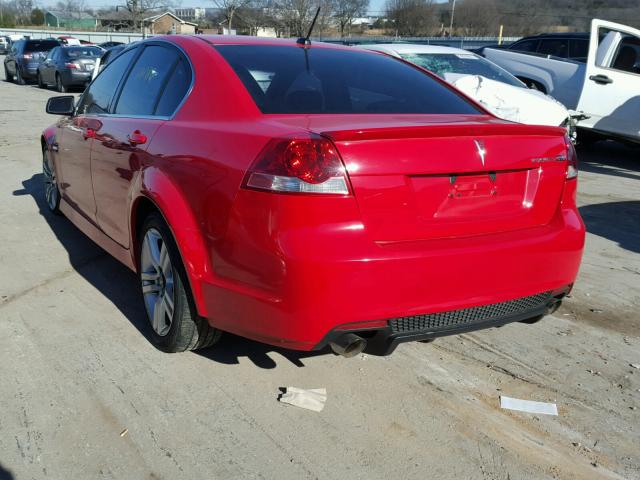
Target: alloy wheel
157,277
50,184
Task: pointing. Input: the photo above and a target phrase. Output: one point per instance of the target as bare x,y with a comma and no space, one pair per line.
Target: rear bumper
383,341
288,280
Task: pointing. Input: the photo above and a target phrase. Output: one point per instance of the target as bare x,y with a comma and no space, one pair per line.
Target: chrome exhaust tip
348,345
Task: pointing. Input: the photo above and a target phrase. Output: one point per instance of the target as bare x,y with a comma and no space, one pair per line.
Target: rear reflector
277,183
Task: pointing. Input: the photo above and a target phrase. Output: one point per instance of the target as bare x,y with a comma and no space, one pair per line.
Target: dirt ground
84,395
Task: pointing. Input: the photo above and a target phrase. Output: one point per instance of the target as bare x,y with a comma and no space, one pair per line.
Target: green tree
37,17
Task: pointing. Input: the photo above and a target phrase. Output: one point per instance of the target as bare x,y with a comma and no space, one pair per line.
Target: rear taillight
572,159
72,65
299,164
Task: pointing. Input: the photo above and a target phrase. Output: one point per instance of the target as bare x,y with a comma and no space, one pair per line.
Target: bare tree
230,8
344,11
412,17
140,8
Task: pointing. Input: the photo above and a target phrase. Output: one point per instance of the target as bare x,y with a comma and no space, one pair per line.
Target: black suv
22,61
574,46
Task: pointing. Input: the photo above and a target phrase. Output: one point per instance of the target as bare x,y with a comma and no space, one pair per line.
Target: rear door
611,92
150,94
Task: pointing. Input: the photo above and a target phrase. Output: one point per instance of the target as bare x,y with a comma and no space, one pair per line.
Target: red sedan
312,195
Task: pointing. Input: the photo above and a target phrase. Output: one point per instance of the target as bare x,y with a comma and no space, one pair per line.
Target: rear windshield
40,46
283,79
75,52
461,63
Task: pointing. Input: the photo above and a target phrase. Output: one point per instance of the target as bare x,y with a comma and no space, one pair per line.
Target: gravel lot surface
84,395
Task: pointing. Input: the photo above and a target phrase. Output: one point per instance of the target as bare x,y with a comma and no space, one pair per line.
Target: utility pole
453,11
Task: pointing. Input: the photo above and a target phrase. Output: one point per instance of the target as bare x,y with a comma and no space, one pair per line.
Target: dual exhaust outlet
348,345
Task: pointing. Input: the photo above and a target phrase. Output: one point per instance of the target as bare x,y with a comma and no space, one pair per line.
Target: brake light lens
299,165
572,159
72,65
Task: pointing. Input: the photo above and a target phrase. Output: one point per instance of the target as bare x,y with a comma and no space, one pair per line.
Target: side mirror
63,105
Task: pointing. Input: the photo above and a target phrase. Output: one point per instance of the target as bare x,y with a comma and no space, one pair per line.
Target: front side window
443,64
627,57
146,80
283,79
97,98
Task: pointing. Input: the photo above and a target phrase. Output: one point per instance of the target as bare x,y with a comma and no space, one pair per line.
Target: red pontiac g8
312,195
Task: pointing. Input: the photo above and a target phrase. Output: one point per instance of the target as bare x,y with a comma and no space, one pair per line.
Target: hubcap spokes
156,274
50,188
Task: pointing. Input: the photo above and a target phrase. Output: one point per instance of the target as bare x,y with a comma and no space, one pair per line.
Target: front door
611,92
74,163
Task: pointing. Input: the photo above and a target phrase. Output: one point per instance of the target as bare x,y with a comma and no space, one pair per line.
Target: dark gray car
24,57
67,67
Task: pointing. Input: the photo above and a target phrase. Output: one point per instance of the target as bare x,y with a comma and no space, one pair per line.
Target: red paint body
287,269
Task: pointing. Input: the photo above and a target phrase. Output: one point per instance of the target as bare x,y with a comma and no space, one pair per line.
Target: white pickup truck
606,89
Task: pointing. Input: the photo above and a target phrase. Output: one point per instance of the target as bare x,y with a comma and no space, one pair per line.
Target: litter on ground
528,406
313,399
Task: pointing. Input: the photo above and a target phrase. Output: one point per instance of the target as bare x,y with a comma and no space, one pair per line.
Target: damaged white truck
604,91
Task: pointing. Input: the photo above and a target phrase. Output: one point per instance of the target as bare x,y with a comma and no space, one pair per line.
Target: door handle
137,138
601,79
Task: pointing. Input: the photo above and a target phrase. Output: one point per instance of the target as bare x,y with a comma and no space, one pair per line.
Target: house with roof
168,23
70,20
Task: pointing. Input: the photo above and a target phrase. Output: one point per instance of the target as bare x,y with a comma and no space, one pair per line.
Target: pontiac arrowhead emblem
481,151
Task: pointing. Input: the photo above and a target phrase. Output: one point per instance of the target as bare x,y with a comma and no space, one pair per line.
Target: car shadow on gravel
610,158
616,221
120,286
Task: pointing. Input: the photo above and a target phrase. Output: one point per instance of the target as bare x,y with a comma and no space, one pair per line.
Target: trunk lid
449,176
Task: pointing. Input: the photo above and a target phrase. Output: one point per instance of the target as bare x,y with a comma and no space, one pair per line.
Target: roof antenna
305,40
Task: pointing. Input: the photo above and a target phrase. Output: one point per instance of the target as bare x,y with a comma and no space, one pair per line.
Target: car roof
579,35
246,40
413,48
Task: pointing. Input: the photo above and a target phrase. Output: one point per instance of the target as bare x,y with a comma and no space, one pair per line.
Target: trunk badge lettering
481,150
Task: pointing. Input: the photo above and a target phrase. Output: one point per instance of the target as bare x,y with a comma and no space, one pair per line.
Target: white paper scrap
528,406
313,399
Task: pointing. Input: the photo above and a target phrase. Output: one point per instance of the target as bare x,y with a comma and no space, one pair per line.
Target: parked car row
63,62
601,87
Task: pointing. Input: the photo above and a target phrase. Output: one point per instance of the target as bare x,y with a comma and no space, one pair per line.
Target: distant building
168,23
160,23
70,20
195,14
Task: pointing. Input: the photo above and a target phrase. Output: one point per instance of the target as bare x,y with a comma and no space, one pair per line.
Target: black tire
41,84
187,331
19,78
7,76
59,85
51,190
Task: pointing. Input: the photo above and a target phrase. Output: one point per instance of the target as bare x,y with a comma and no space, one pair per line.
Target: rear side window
557,47
42,46
175,90
146,81
97,98
525,46
283,79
